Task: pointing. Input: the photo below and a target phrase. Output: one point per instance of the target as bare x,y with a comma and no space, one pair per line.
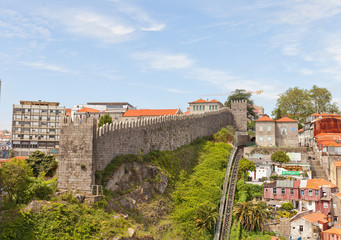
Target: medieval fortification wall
84,148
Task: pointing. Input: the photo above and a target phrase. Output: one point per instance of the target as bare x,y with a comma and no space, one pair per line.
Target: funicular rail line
224,221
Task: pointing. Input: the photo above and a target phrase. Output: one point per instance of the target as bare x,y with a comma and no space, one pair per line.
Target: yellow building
335,173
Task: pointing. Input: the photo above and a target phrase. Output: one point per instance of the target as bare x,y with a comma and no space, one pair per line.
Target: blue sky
163,54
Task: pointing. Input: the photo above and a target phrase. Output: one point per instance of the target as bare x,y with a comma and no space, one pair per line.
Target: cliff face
135,183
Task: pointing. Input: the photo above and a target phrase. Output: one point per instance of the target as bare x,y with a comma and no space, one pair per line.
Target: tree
245,165
298,103
40,163
295,103
280,156
251,216
206,217
225,135
242,94
15,179
104,120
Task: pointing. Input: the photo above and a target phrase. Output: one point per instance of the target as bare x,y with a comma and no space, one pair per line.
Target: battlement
85,148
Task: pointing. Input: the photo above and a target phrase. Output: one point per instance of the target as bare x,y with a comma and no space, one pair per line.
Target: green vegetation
196,196
104,120
244,166
280,156
225,135
287,206
242,94
298,103
41,163
62,221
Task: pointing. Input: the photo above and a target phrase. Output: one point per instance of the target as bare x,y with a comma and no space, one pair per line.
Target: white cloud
141,18
13,24
305,71
162,61
302,12
46,66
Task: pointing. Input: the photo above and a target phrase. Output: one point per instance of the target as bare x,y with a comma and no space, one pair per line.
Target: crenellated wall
84,148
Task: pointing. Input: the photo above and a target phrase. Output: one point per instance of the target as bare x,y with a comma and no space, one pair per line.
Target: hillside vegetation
187,210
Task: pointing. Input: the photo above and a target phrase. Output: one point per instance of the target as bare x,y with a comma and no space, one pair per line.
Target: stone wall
84,148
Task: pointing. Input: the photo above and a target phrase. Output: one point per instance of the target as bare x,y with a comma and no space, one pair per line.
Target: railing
98,190
223,196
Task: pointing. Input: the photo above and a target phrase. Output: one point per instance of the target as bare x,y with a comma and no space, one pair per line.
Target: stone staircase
316,168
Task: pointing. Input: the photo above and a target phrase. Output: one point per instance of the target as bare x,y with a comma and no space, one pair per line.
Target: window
269,128
193,108
325,205
283,191
261,128
317,193
216,107
301,228
302,192
274,190
260,138
210,107
203,108
200,107
283,131
269,138
334,205
310,193
291,191
197,107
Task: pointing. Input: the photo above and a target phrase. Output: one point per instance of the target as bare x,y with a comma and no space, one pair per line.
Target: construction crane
225,94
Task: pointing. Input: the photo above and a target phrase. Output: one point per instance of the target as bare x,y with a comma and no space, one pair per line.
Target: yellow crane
224,94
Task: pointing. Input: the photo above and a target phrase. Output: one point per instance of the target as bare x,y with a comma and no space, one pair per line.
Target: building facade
282,132
36,126
201,106
140,114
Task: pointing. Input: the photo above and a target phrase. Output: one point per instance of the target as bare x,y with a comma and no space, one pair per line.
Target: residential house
335,173
332,234
311,194
282,132
336,208
134,115
308,225
201,106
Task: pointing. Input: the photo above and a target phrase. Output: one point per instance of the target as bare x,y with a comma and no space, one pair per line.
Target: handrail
223,196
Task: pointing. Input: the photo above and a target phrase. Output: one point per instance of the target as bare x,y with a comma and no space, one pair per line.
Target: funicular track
226,203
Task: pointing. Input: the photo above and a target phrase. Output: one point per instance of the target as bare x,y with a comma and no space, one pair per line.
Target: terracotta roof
214,101
86,109
335,136
68,111
286,119
301,130
187,112
338,194
10,159
318,183
265,118
337,163
316,217
150,112
334,144
333,230
200,101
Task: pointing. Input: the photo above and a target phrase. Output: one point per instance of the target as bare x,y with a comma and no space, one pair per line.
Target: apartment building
202,106
36,126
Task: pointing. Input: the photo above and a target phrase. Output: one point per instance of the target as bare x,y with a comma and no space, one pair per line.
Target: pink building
311,194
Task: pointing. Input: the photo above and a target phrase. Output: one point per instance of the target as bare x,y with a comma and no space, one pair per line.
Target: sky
164,54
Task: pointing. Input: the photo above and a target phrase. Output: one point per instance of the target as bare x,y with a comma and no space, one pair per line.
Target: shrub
287,206
280,156
224,135
41,163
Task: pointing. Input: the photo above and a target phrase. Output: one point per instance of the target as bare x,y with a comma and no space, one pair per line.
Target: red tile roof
318,183
86,109
301,130
68,111
331,136
338,194
334,230
316,217
265,119
10,159
187,112
337,163
150,112
214,101
286,119
200,101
